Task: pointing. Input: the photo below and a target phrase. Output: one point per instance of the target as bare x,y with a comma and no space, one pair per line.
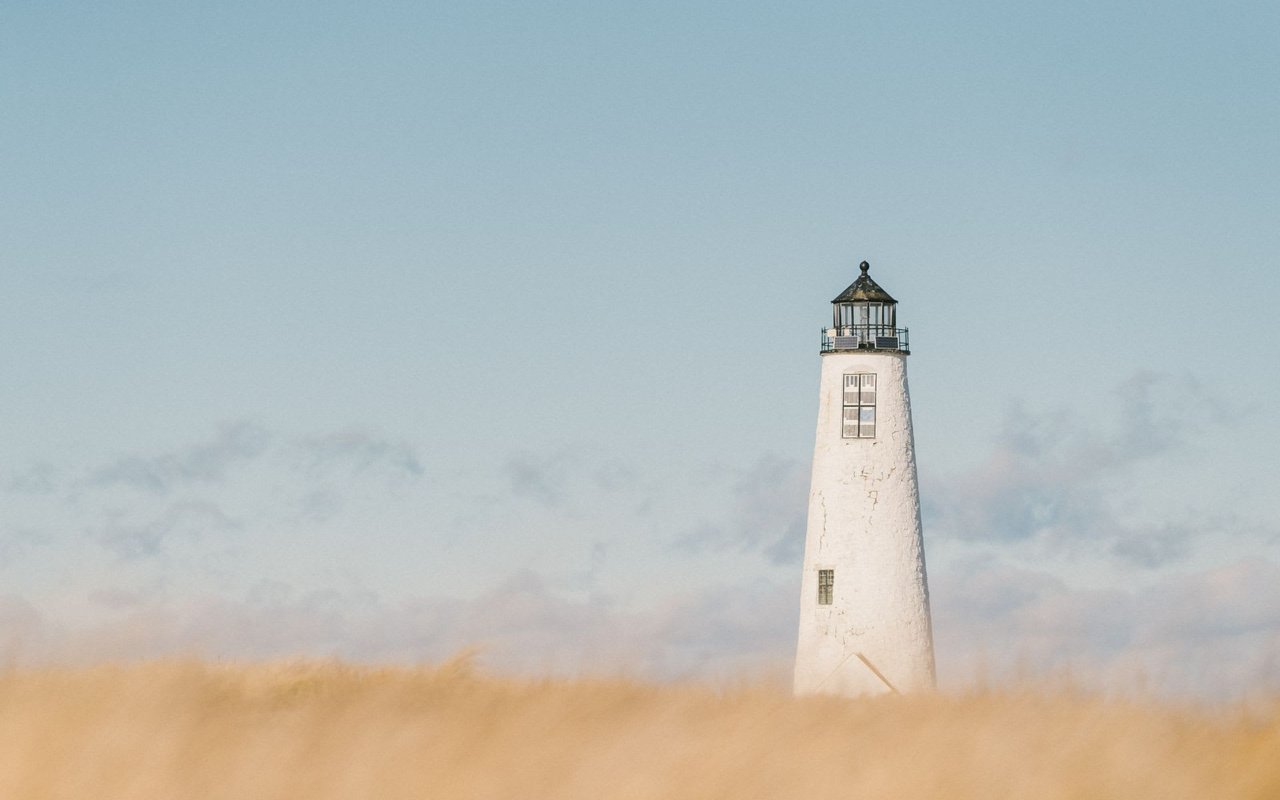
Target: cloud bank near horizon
1055,552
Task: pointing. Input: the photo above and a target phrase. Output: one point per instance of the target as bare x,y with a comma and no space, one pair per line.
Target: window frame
854,415
826,586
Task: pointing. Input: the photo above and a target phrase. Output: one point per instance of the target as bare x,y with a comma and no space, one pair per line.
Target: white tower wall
864,525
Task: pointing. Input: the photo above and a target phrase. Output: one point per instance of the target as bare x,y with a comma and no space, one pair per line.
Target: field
315,730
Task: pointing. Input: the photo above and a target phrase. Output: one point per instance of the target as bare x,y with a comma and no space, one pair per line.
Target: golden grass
174,730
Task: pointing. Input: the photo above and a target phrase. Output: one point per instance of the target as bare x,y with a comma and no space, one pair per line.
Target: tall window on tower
826,586
860,405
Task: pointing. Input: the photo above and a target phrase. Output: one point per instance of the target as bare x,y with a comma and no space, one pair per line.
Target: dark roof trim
864,290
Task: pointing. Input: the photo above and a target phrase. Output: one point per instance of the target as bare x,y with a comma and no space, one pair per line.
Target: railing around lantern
865,337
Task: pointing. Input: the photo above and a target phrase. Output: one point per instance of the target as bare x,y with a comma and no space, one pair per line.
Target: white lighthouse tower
864,602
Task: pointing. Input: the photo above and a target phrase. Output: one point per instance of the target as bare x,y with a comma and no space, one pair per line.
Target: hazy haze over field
385,330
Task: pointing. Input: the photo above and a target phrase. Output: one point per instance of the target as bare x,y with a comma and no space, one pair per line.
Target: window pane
867,415
851,389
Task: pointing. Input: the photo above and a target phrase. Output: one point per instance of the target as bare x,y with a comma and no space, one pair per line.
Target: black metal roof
864,290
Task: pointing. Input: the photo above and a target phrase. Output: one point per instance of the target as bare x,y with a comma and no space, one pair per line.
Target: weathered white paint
864,522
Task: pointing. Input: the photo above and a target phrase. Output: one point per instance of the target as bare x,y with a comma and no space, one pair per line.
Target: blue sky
382,330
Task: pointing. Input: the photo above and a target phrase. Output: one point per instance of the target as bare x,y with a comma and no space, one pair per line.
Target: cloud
236,446
36,479
192,519
353,452
200,463
1213,634
242,476
540,477
22,626
556,478
615,476
1056,479
1155,545
319,506
521,624
764,512
16,542
117,598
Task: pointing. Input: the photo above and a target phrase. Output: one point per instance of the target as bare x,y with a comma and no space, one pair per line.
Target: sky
389,330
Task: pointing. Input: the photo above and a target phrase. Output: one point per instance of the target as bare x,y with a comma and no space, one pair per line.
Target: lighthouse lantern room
864,317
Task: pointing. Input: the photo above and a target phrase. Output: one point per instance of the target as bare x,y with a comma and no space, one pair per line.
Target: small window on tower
826,586
859,420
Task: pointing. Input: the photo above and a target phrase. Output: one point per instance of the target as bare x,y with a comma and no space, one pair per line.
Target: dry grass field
174,730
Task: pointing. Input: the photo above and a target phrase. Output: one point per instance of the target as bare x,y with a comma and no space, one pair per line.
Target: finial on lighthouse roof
864,290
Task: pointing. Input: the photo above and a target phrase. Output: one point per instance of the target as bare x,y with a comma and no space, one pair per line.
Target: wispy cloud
238,445
192,519
119,598
16,542
138,503
351,451
198,463
1053,478
764,511
23,629
522,624
566,477
1214,633
538,476
38,478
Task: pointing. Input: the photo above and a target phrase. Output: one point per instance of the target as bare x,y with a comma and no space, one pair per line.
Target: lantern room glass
870,319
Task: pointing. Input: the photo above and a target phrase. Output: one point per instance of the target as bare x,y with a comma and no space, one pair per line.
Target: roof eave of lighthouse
864,290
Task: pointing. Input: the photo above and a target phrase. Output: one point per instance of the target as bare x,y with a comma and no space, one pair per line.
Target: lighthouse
864,602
